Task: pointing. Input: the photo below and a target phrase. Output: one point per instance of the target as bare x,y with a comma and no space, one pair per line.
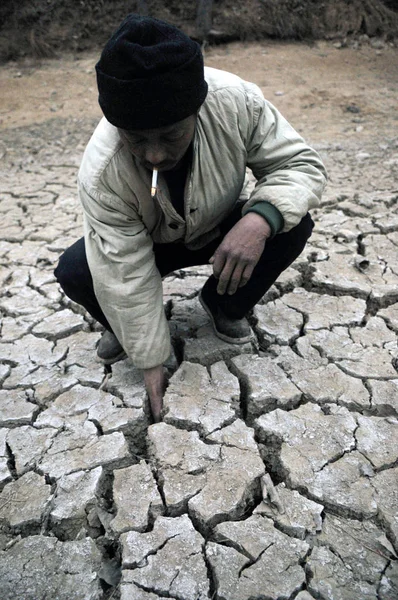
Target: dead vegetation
301,19
43,28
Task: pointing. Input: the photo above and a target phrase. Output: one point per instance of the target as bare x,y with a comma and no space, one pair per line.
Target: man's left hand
239,252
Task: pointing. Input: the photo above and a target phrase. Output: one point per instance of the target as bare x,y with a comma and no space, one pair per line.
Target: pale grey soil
274,473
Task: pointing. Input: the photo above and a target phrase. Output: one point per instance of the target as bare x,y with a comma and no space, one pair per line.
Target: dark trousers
73,273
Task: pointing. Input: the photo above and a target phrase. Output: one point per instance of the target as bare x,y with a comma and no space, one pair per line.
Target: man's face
160,148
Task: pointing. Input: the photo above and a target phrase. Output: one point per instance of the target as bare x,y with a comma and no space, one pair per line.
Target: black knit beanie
150,75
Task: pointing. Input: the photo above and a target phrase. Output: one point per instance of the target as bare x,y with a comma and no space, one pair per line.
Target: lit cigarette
154,182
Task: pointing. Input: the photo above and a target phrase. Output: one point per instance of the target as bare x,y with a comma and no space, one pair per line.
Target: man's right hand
239,252
155,383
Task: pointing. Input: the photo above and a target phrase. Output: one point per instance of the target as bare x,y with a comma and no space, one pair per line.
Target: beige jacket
236,128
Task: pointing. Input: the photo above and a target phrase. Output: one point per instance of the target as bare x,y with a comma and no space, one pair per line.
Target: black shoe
109,350
233,331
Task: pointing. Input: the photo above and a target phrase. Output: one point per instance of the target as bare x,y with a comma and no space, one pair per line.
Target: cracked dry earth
274,472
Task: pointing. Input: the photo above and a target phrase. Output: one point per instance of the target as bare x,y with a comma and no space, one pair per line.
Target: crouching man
197,129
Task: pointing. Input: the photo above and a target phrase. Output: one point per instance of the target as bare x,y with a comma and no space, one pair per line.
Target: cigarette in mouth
154,182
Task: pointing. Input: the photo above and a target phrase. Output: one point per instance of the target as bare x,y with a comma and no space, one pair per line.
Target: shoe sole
222,336
113,360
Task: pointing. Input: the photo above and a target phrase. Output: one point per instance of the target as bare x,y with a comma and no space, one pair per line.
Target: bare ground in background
342,99
327,93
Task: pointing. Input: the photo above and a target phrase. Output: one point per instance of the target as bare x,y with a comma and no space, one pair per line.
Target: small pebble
352,108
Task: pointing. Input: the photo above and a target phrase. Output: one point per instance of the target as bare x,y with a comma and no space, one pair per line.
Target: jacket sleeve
127,283
290,175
